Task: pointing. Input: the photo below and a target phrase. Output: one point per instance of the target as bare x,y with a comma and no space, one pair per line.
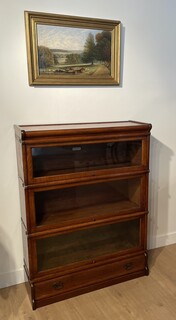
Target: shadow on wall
160,157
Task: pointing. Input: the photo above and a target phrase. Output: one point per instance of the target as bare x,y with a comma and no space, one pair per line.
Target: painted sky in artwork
65,38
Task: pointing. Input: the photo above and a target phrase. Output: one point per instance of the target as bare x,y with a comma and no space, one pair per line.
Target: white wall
147,93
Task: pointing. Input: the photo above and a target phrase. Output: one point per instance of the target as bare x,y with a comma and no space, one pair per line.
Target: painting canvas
69,50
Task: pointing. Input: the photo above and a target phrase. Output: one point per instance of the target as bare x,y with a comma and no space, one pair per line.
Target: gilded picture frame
69,50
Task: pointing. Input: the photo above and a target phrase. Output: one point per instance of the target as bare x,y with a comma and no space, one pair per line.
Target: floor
145,298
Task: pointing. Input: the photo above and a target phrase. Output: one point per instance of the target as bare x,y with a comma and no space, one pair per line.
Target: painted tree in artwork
45,57
73,58
103,46
98,49
89,49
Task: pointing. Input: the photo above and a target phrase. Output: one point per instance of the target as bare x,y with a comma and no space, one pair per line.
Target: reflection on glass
48,161
87,244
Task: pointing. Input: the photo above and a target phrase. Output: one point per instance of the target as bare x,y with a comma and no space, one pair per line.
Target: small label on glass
76,148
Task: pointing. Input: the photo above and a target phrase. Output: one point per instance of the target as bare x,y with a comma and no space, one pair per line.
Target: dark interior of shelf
65,249
87,201
48,161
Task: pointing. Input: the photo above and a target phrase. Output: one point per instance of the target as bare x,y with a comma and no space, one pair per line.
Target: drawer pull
58,285
128,266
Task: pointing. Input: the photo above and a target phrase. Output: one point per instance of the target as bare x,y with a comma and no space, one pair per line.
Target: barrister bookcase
84,206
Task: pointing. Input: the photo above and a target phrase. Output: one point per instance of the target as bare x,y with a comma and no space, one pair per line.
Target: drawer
89,277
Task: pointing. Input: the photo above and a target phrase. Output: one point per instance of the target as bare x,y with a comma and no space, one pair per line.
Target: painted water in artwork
78,52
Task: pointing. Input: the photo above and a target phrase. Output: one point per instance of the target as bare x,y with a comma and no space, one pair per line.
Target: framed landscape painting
66,50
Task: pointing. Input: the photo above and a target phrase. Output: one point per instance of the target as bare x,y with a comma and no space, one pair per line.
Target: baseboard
8,279
162,240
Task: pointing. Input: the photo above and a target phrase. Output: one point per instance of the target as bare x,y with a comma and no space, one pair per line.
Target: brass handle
58,285
128,266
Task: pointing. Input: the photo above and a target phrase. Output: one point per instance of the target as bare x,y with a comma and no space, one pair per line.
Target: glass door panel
87,202
57,160
87,244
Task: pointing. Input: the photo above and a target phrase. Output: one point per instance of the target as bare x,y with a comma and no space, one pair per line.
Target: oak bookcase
84,206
